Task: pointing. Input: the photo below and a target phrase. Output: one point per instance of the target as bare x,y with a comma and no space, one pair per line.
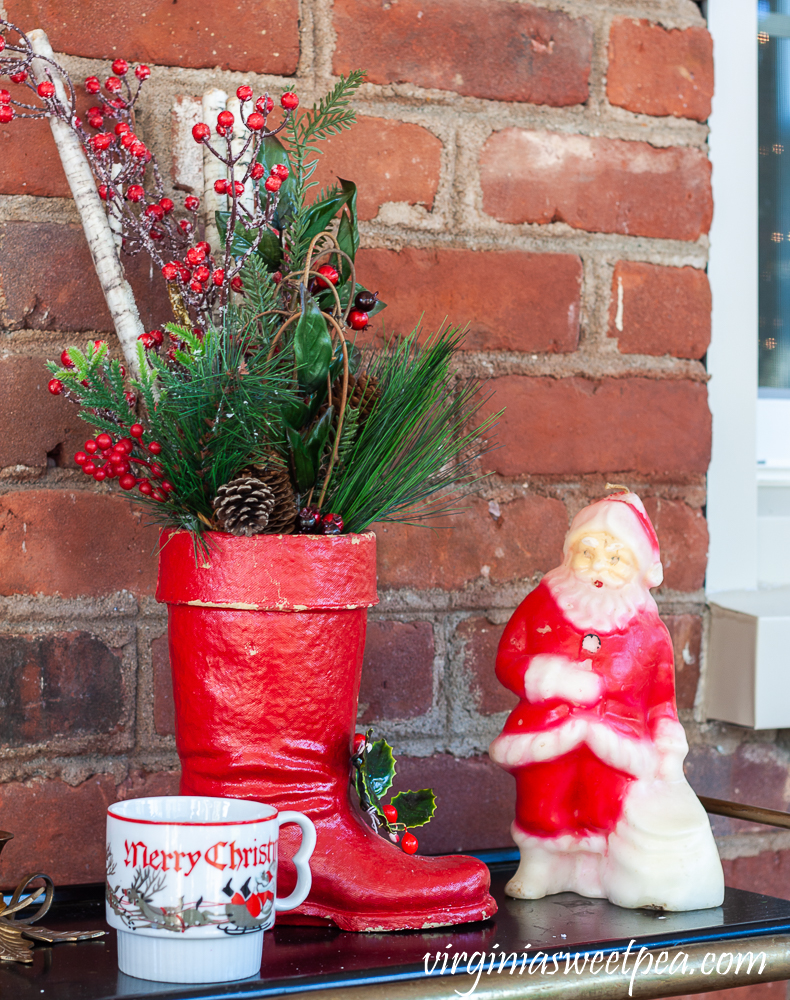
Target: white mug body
191,884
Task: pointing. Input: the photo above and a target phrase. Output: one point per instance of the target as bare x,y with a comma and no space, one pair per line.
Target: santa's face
602,560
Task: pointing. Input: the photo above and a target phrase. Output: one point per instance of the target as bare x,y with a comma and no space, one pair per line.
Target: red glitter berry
104,441
170,271
102,141
225,119
289,101
191,204
65,360
185,226
134,192
257,171
7,113
113,84
238,187
195,256
128,139
146,340
357,319
196,287
244,93
159,337
359,742
202,273
409,843
136,430
18,77
201,132
330,276
264,105
142,72
256,122
155,212
280,170
218,277
2,43
221,186
204,246
167,205
5,97
138,149
103,192
120,67
273,184
55,386
221,130
46,89
237,284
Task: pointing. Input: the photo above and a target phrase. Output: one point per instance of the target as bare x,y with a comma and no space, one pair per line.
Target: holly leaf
415,808
312,345
379,765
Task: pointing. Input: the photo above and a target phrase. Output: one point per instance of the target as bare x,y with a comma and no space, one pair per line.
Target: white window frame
733,272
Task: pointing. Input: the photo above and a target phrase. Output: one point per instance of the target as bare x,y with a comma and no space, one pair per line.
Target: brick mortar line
556,237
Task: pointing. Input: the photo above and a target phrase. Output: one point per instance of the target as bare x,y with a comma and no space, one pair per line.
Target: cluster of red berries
255,120
408,841
313,522
198,269
119,456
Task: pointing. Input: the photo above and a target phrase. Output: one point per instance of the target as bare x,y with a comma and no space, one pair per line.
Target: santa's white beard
597,609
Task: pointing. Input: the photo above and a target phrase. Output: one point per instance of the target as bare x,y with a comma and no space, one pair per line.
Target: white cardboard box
747,675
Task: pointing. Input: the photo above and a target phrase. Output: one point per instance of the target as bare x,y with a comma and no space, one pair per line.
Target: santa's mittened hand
671,746
551,676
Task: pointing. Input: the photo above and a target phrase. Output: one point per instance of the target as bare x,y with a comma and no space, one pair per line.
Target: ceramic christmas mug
191,884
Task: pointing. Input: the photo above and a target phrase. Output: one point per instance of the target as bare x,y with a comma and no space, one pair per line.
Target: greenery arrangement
255,411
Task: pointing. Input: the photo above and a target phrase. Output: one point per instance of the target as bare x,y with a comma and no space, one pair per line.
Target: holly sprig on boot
374,769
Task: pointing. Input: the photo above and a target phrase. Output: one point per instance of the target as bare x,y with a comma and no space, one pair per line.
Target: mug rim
273,811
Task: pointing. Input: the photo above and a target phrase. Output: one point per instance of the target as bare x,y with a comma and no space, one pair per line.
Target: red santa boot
266,645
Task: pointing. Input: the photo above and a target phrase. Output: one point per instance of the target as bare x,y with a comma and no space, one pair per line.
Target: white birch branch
213,169
240,134
98,232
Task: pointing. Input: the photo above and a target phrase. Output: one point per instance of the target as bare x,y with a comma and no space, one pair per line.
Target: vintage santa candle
602,805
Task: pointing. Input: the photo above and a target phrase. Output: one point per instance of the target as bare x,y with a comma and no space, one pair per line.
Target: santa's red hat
622,515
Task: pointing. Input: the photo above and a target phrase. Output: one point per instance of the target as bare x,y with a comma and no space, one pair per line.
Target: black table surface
304,958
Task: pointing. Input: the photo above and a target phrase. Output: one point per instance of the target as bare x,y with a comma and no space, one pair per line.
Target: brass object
753,814
17,936
180,311
617,486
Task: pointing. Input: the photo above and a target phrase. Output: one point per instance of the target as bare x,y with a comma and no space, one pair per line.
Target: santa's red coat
577,793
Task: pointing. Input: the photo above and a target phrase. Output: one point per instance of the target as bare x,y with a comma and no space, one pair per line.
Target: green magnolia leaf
312,345
348,231
380,767
321,213
415,808
295,413
304,470
316,439
272,151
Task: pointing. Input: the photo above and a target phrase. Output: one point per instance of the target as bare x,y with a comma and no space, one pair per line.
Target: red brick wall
539,173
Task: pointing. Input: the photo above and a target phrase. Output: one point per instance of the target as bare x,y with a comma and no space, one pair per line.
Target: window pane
774,193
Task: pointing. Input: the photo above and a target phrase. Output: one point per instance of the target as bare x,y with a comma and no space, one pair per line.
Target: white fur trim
551,676
635,757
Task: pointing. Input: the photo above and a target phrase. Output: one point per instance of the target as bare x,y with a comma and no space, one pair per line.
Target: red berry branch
128,179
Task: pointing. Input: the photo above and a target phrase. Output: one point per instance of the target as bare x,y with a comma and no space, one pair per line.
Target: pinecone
282,519
363,391
244,506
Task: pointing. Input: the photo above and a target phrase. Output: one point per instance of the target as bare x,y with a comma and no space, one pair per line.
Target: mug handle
304,879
